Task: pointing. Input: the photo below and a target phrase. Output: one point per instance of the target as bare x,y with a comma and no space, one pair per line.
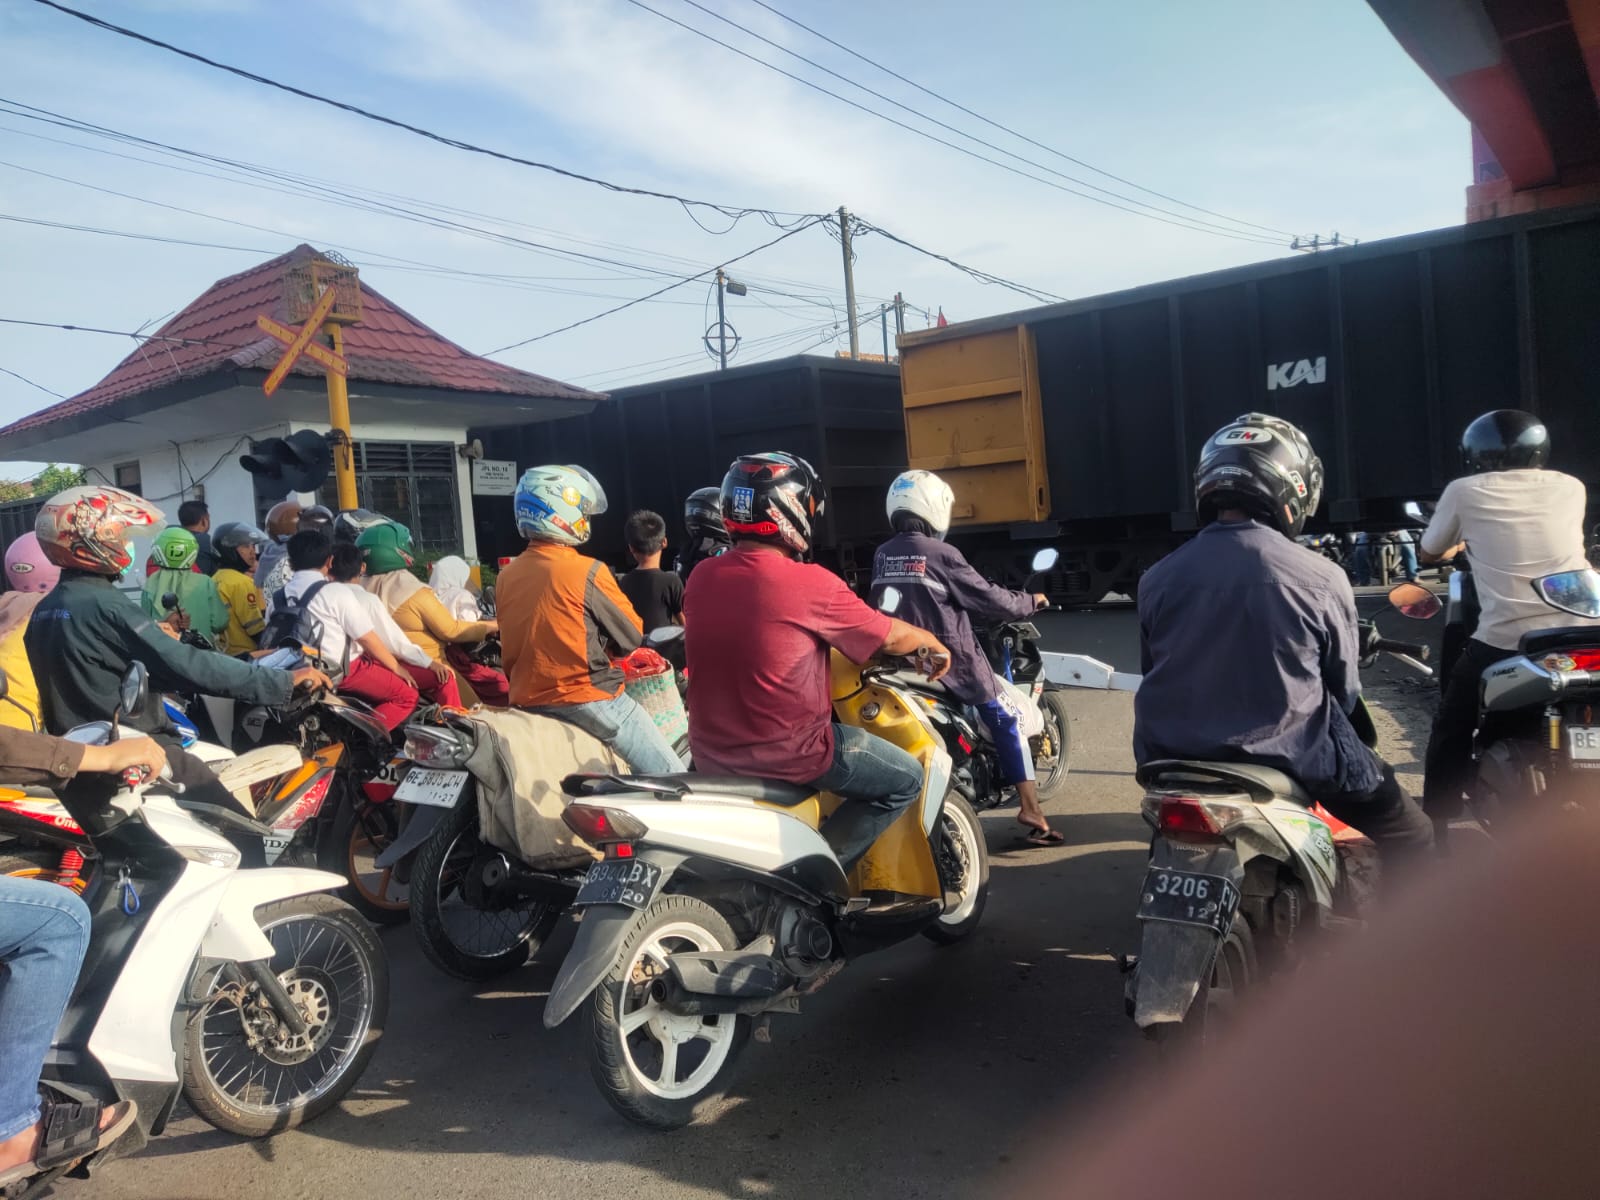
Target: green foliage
55,479
11,489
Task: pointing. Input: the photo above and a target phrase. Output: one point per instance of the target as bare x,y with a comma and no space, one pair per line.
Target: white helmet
921,494
555,503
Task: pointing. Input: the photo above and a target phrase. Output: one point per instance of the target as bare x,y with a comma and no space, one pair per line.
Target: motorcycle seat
1542,641
1261,783
238,775
748,787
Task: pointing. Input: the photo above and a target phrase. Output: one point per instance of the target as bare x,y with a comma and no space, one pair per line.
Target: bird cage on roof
307,280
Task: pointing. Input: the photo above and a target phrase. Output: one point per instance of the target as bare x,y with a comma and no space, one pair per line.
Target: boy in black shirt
656,595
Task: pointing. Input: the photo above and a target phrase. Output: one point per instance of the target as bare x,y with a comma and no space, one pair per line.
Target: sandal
71,1131
1043,837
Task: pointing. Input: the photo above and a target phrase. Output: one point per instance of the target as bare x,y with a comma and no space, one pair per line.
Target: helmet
27,568
555,504
283,520
702,514
1505,440
923,495
175,549
1261,464
85,528
386,548
350,524
318,516
775,497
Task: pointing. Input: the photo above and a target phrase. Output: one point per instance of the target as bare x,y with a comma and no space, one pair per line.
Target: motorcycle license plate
431,789
620,881
1188,899
1583,745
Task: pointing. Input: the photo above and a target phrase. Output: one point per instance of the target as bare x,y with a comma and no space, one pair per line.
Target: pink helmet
27,569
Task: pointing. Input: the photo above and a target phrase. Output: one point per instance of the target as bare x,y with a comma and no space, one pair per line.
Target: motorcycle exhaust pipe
673,997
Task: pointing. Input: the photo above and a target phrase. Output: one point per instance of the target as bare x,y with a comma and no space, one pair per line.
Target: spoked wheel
244,1070
962,858
357,835
1053,747
657,1067
462,938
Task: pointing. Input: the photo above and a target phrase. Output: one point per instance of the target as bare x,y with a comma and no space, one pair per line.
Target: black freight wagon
651,445
1081,422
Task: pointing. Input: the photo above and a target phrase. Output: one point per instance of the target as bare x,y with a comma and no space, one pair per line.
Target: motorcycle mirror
135,691
664,635
1413,510
1046,558
169,601
1575,592
1414,601
889,602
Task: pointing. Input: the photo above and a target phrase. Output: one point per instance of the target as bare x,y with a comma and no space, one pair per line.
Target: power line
1183,223
1007,129
810,62
1035,294
142,337
734,212
31,383
676,284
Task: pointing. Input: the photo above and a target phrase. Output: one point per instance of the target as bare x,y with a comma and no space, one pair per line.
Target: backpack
287,622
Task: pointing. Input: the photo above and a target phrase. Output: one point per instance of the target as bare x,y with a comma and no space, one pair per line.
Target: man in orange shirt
563,618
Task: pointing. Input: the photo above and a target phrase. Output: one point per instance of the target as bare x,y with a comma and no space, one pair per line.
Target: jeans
1448,763
621,724
878,781
1408,560
44,931
1016,759
1388,816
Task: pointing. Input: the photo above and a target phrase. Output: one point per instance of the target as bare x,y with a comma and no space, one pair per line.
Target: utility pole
722,324
899,314
849,282
883,315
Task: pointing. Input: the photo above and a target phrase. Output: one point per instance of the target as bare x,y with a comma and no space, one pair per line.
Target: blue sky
1303,117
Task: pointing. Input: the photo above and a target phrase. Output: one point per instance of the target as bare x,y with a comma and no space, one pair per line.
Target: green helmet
175,549
386,547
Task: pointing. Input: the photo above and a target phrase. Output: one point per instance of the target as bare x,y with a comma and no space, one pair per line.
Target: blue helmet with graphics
554,504
1264,466
775,497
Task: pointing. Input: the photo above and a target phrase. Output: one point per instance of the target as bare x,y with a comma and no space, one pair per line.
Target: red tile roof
219,333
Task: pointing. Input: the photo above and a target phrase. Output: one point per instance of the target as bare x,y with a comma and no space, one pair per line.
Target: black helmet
1504,440
774,497
226,540
353,522
318,516
1263,465
702,515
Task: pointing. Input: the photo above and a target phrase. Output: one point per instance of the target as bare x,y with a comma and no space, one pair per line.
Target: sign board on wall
494,477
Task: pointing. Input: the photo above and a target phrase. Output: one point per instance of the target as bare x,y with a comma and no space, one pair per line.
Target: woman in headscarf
448,579
386,549
29,575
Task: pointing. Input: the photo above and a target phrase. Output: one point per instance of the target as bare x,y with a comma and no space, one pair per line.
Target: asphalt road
921,1072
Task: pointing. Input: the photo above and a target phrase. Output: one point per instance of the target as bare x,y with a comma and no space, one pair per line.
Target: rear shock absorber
67,871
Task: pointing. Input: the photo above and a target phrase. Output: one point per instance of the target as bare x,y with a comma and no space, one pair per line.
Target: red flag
941,323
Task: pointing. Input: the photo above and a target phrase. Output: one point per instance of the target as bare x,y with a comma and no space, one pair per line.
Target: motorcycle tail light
1573,660
602,826
431,746
1191,817
307,805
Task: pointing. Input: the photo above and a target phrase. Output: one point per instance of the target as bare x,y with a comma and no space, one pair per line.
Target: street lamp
725,286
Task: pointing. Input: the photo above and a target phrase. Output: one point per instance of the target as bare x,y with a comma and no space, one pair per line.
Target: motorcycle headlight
431,746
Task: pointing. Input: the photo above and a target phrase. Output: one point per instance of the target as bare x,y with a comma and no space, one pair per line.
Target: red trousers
489,684
430,687
393,699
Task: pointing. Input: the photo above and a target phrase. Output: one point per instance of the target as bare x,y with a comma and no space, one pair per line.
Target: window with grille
410,482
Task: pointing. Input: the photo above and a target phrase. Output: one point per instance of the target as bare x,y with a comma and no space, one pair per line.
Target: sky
1256,119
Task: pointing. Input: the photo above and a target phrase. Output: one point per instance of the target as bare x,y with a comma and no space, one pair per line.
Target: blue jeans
621,724
1408,560
1016,759
877,780
44,931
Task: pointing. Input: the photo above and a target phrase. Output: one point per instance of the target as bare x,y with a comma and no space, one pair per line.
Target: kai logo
1290,374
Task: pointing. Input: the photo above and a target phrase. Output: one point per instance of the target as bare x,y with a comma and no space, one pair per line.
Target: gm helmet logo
744,503
1251,436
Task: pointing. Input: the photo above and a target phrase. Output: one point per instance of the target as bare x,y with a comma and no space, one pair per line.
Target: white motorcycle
252,993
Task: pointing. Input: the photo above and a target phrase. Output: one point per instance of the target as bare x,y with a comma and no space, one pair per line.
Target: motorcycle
1245,867
252,993
718,902
1537,741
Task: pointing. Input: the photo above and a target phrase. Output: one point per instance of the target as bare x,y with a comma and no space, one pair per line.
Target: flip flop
71,1132
1043,837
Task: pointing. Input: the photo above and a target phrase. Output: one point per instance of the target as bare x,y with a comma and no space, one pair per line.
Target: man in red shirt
759,622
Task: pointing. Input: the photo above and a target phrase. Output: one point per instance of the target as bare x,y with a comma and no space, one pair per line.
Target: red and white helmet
923,495
27,568
87,528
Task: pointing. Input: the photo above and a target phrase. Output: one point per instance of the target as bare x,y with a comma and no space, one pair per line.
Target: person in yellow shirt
237,546
29,575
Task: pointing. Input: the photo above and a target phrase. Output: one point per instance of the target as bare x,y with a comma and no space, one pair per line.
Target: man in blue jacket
940,592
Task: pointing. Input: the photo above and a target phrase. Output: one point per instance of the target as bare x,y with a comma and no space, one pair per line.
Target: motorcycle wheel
1051,768
348,847
962,857
245,1073
654,1067
41,863
467,942
1232,974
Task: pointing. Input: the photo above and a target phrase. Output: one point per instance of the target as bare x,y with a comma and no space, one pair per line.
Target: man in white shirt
1517,522
374,674
435,681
